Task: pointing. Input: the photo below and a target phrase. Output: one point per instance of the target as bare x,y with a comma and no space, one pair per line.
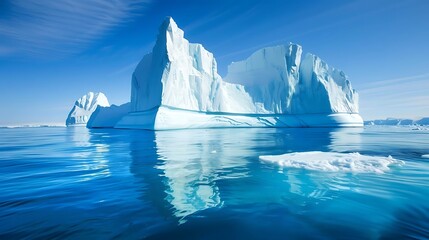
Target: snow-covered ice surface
84,107
333,162
177,86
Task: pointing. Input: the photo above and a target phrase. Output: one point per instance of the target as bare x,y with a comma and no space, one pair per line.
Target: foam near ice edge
333,162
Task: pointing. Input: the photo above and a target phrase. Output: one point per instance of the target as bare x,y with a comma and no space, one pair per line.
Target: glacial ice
333,162
177,86
398,122
107,117
423,121
84,107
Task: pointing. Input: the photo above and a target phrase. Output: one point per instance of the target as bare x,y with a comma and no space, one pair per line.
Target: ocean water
76,183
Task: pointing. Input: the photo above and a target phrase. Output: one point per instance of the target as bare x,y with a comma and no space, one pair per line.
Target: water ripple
74,183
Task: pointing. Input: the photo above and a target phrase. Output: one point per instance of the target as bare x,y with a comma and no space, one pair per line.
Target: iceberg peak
170,35
169,25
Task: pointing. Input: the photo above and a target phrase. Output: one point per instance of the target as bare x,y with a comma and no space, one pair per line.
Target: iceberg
333,162
398,122
390,122
84,107
423,121
177,86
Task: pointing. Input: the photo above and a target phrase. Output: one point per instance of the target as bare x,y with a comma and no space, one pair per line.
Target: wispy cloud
404,97
381,85
126,68
354,7
52,28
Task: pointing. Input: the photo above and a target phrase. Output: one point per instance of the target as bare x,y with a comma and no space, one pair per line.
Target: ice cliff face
84,107
107,117
177,74
274,80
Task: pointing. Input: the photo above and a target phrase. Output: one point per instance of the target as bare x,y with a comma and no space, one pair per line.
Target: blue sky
53,52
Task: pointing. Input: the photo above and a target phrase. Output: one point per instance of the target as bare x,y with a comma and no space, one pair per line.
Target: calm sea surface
76,183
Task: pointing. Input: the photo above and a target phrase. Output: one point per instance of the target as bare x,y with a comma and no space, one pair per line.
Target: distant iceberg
177,86
398,122
84,107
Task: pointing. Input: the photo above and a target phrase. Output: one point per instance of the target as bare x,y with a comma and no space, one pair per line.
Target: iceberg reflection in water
192,162
207,183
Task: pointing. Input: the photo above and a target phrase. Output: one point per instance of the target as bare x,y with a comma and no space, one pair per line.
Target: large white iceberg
177,86
84,107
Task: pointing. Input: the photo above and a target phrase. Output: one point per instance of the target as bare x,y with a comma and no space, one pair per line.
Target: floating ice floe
333,162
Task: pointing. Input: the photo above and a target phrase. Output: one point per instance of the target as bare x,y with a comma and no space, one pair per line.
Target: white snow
333,162
84,107
177,86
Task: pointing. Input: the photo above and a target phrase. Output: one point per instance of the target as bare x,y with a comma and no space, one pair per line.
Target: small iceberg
425,156
333,162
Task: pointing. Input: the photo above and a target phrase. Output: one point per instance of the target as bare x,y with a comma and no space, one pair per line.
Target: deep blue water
59,183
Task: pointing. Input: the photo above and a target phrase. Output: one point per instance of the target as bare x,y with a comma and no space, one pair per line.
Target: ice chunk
84,107
425,156
333,162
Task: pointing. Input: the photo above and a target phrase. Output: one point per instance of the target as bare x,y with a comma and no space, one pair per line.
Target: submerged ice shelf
177,86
